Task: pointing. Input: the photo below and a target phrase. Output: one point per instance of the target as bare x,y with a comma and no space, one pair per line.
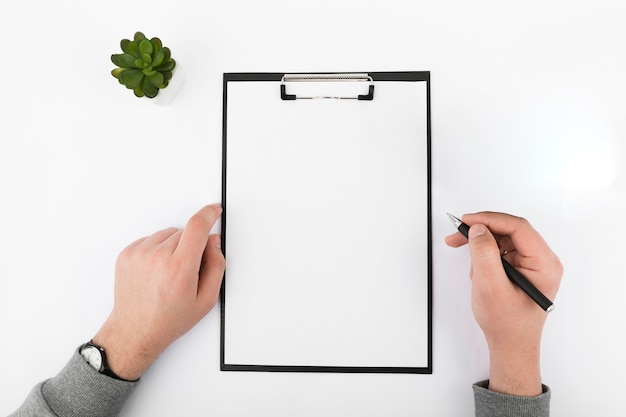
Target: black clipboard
326,228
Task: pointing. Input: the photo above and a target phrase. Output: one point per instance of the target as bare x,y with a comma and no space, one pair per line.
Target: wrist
515,371
125,358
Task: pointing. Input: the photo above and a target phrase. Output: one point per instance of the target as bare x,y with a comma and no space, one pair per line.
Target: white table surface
528,117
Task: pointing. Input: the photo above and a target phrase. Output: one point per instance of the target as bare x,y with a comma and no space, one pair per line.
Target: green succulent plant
145,66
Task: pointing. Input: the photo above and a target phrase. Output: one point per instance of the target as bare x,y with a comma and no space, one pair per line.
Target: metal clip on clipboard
326,78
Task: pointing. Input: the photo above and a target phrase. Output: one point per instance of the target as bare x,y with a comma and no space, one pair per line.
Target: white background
528,105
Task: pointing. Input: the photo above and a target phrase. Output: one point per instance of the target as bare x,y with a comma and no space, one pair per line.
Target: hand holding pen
511,320
514,275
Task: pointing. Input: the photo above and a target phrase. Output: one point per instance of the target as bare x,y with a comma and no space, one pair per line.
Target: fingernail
217,241
477,230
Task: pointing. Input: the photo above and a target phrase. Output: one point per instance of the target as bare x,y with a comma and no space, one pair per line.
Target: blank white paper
326,233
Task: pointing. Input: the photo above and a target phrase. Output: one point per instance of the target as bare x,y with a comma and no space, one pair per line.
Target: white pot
168,94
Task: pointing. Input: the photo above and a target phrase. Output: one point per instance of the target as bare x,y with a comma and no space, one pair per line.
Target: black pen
513,274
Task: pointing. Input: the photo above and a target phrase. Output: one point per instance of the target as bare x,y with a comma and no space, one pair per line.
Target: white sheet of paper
326,231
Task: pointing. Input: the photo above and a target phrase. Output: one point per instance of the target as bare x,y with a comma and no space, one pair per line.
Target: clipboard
326,228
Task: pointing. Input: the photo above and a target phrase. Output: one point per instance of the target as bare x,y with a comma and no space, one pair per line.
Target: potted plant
145,66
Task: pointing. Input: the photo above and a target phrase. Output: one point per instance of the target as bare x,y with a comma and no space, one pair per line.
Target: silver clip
350,77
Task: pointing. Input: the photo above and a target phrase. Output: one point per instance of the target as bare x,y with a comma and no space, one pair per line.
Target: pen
513,274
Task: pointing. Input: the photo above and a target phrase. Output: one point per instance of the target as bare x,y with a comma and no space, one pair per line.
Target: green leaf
158,45
149,72
133,49
145,47
139,63
159,57
123,60
168,66
124,44
168,54
150,89
139,37
167,75
147,59
131,78
157,79
139,91
116,72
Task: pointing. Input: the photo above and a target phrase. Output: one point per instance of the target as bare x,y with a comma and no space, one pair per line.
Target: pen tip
455,221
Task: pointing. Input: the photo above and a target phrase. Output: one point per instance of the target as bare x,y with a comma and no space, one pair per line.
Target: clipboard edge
328,369
410,76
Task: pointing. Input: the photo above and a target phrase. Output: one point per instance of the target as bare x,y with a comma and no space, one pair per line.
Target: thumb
486,261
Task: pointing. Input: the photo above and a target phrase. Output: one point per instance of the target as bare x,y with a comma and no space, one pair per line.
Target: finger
136,243
487,271
172,241
456,240
195,235
524,238
211,274
160,236
504,242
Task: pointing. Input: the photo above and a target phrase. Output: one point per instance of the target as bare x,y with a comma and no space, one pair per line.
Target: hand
511,321
164,285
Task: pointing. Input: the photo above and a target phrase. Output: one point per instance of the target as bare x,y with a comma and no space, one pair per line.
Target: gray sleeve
492,404
78,390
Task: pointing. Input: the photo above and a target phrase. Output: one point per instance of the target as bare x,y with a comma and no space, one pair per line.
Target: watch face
93,357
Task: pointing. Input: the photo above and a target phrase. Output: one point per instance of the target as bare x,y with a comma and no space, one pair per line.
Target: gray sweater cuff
80,390
490,403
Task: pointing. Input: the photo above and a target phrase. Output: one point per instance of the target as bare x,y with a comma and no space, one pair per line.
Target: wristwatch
95,356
